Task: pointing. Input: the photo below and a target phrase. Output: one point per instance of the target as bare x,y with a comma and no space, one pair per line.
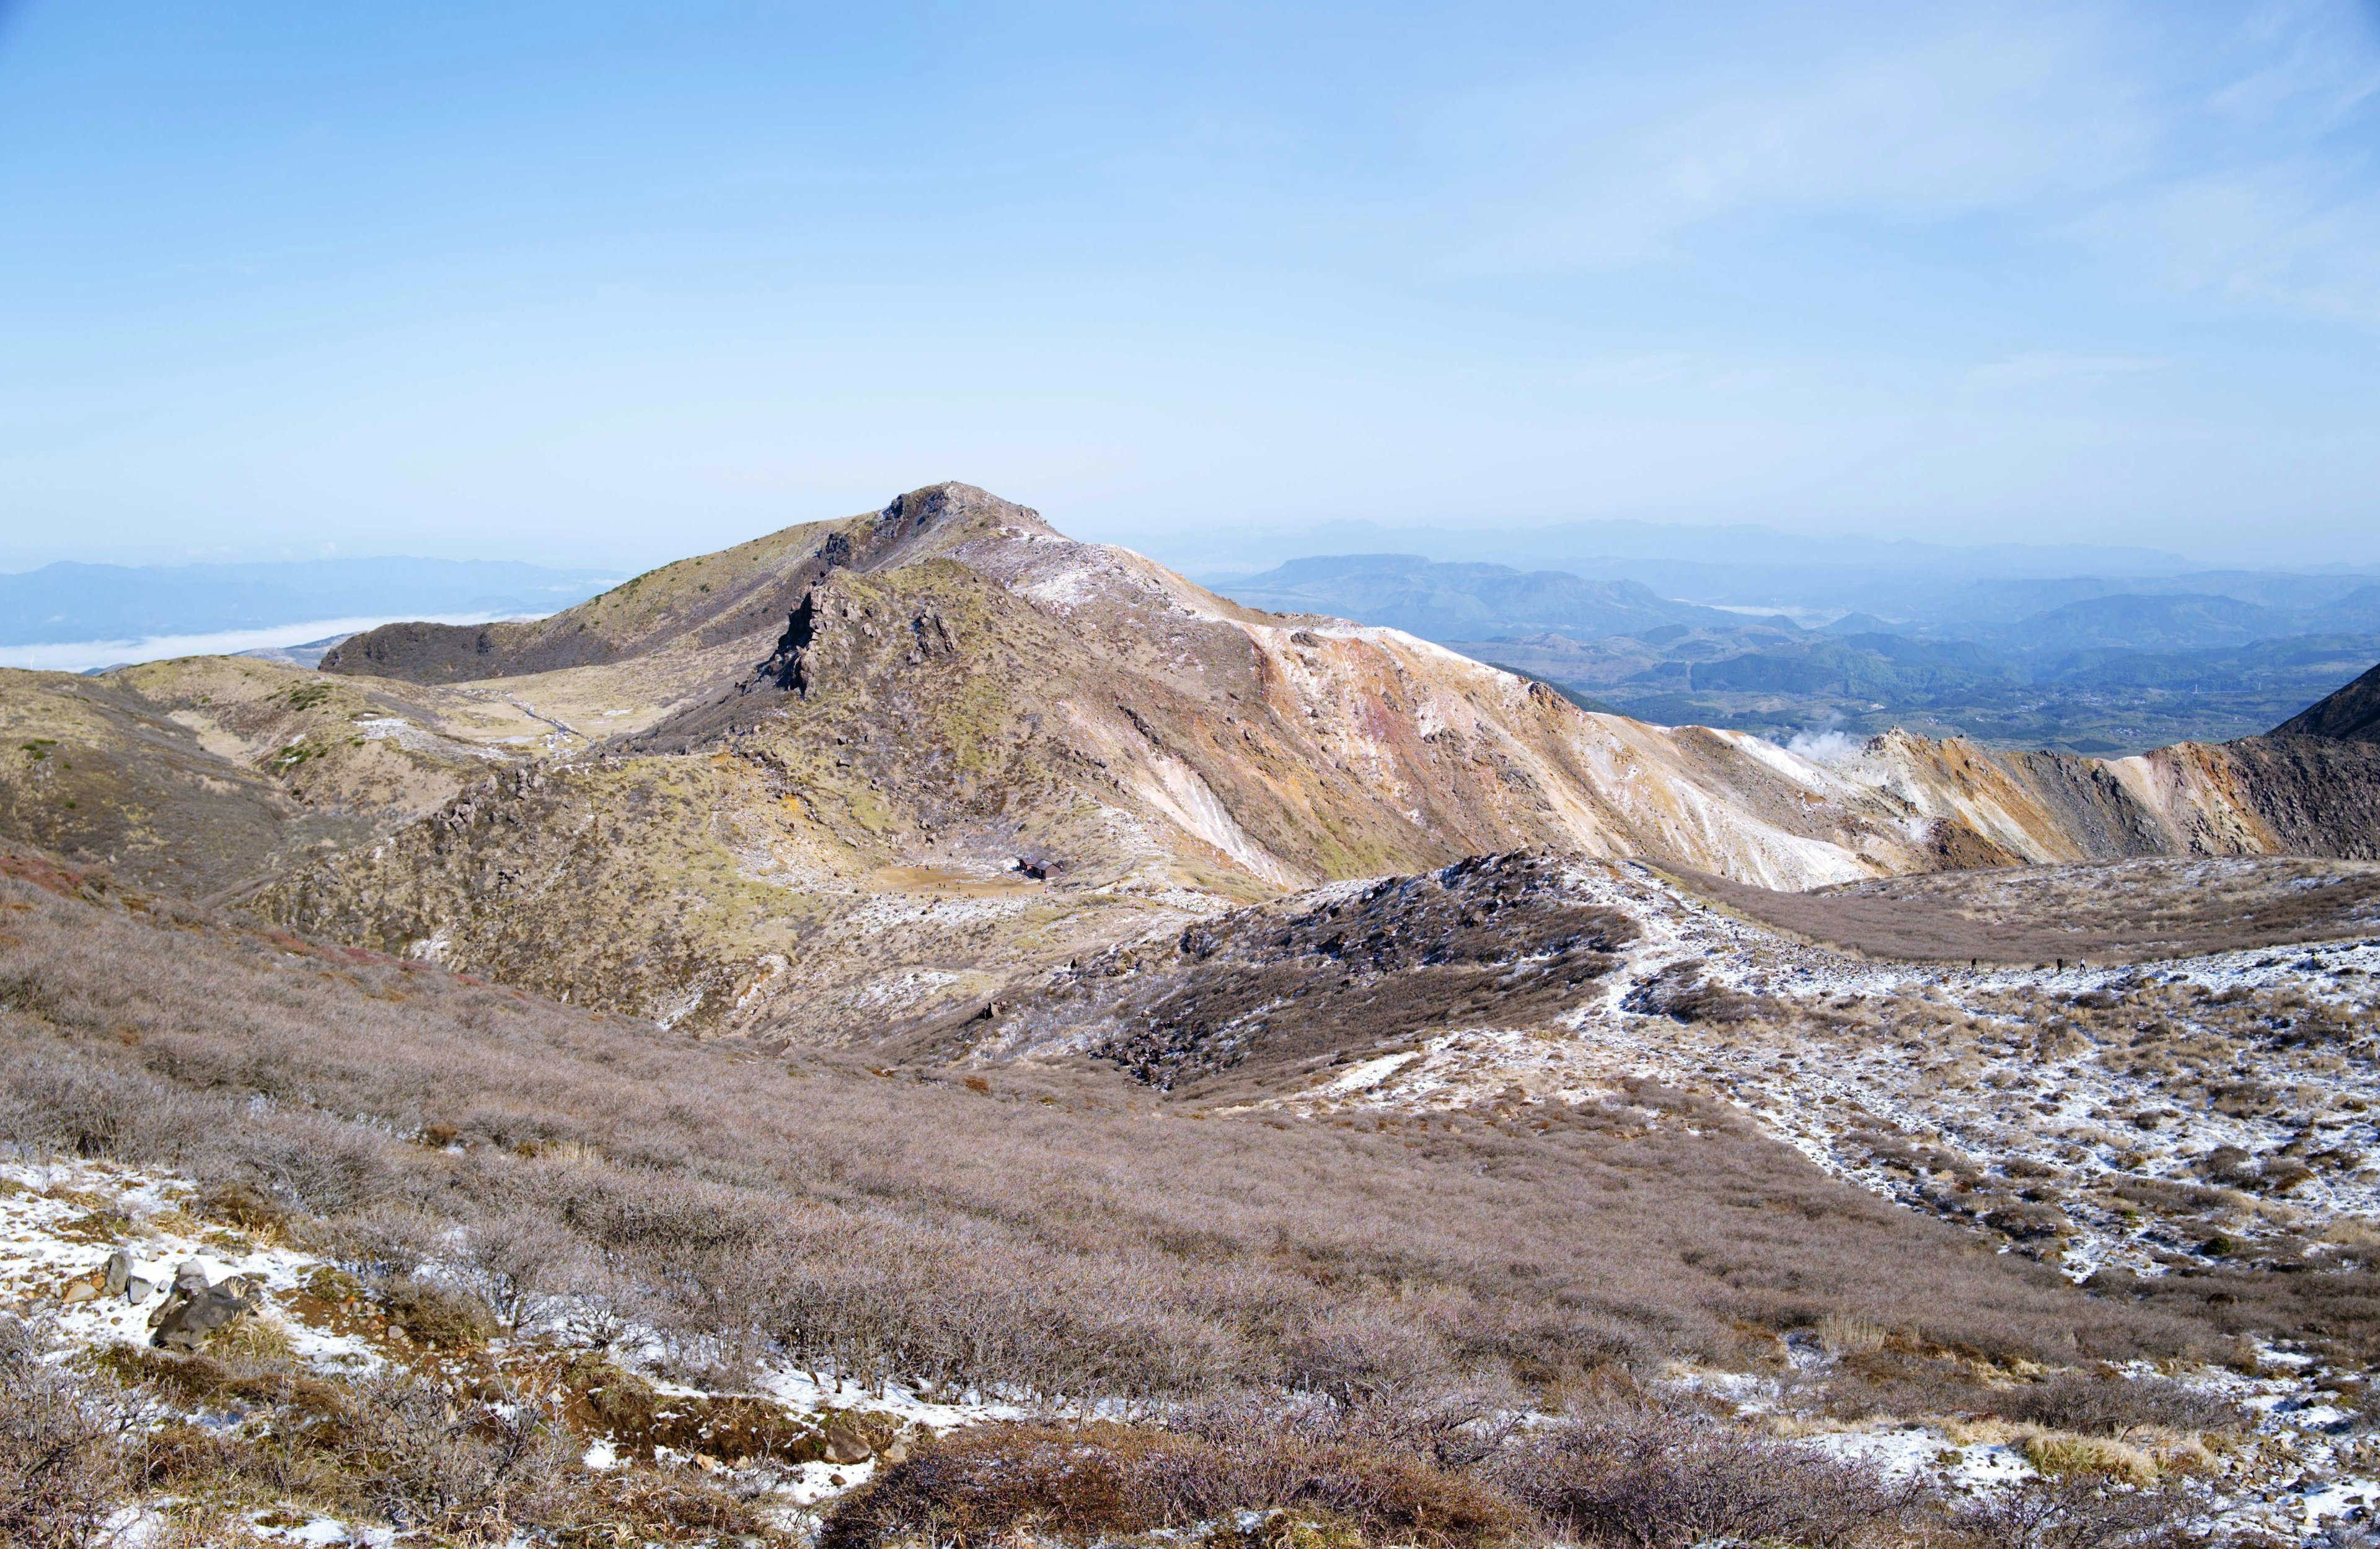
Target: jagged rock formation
1277,987
873,772
2351,715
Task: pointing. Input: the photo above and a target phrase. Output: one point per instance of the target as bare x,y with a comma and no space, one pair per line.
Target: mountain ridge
952,746
857,779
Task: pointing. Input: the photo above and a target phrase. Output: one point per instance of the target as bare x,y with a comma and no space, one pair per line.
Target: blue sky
602,284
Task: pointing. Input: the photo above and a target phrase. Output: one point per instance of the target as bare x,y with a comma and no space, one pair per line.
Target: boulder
137,1289
188,1317
118,1274
844,1442
79,1291
189,1280
854,1438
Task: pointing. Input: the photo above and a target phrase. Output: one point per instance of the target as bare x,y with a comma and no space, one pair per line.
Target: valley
2082,664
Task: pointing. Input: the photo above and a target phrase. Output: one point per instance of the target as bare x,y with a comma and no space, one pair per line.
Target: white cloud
2041,366
2200,150
1960,109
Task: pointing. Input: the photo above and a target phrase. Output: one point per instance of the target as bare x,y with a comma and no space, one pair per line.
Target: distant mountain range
1621,548
1441,601
2089,664
1743,565
69,603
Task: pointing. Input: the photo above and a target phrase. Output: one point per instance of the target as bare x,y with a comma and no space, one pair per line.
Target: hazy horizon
601,285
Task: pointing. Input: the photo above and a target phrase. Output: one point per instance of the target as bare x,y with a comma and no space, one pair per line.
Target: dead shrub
62,1464
427,1460
2077,1510
1653,1478
1084,1484
1901,1382
519,1262
434,1314
315,1164
53,1104
997,1481
1363,1355
385,1241
2111,1405
242,1206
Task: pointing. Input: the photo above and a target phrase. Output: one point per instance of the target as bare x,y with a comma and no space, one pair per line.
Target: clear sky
603,284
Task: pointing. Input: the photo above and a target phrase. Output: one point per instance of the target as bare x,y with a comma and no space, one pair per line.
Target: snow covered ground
2183,1113
2067,1083
60,1221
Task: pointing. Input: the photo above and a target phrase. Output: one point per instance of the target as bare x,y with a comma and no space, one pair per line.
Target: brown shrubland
62,1445
1053,1238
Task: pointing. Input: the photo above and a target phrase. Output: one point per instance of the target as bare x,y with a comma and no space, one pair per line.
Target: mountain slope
951,747
2351,714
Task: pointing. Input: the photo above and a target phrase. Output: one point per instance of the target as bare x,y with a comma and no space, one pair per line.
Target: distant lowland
2148,654
74,617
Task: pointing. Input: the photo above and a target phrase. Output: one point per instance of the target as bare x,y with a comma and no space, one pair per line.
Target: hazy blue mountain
1439,600
2298,601
67,602
1874,664
2178,621
1609,547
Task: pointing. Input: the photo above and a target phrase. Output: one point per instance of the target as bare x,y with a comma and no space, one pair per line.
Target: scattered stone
81,1291
136,1290
119,1273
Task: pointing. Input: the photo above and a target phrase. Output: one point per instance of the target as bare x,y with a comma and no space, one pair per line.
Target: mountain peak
951,503
939,517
